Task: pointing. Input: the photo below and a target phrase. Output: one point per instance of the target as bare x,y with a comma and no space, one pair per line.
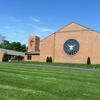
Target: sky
20,19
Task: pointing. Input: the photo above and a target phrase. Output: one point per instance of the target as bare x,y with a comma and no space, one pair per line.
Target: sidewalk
51,66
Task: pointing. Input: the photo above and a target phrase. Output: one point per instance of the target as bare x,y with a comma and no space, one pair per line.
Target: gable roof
73,27
32,53
11,52
70,28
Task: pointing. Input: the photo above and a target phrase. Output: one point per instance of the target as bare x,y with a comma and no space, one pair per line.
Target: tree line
17,46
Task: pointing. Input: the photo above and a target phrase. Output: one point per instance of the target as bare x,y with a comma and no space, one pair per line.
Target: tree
50,60
47,59
13,46
17,46
88,60
23,48
5,44
5,57
2,38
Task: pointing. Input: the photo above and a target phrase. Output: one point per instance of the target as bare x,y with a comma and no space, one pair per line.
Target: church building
73,43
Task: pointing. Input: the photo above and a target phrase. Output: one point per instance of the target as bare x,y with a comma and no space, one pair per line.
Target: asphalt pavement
51,66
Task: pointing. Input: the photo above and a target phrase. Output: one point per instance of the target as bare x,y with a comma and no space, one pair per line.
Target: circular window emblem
71,47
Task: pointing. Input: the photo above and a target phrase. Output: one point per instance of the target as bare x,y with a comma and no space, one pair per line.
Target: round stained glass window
71,47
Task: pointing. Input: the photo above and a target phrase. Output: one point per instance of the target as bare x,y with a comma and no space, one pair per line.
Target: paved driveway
51,66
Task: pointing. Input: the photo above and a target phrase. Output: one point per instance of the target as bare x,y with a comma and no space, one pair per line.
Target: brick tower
33,43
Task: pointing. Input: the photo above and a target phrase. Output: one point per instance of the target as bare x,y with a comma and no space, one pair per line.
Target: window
29,57
71,47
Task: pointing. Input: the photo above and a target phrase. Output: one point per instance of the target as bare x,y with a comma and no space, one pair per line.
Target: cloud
6,27
40,31
30,25
44,30
36,20
14,34
12,19
21,31
33,19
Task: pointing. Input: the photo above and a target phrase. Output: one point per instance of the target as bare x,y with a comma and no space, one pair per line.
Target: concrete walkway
52,66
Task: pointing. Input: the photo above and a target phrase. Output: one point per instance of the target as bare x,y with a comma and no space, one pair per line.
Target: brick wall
33,43
1,55
47,47
89,42
34,58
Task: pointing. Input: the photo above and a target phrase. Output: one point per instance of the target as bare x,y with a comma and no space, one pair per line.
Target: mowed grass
19,82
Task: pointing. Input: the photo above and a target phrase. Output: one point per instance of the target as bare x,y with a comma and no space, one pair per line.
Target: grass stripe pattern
41,83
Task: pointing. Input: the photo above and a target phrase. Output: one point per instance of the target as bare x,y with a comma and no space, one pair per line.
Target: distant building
73,43
11,54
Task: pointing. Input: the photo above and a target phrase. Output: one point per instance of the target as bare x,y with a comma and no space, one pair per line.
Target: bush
47,59
50,60
5,57
88,60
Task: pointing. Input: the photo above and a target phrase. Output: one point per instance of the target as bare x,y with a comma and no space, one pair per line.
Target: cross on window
31,42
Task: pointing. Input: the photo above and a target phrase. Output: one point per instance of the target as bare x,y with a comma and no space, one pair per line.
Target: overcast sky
20,19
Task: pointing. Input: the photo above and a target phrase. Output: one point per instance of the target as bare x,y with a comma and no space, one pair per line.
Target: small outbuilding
11,54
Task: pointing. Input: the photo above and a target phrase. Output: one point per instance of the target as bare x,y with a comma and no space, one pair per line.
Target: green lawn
39,83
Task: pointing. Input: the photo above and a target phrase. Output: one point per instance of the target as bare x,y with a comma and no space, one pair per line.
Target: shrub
88,60
50,60
47,59
5,57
